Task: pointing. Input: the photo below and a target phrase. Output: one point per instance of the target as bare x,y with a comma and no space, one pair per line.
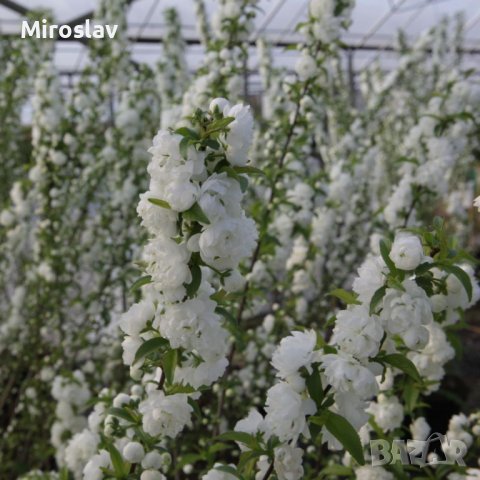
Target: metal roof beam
14,6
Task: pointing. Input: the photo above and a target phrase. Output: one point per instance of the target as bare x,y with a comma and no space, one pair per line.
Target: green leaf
401,362
150,346
465,116
219,124
196,214
348,298
241,437
247,461
190,458
462,277
343,431
122,413
140,282
243,181
160,203
385,252
183,147
226,314
64,475
423,268
249,170
193,286
232,326
407,160
410,396
213,144
440,128
196,409
314,386
229,469
169,362
180,388
438,222
456,343
188,133
219,447
377,298
337,470
119,466
395,283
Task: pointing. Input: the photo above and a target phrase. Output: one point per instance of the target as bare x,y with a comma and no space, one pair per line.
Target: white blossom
294,352
133,452
406,313
407,251
165,414
357,333
286,411
387,412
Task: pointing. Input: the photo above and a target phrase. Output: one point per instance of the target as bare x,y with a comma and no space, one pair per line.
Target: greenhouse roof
371,35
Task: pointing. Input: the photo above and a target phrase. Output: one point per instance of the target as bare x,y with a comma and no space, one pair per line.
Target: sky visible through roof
375,23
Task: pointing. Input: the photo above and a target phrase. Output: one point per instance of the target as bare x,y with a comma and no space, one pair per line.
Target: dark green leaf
121,469
395,283
314,386
196,409
196,214
456,343
213,144
228,469
122,413
462,277
219,124
188,132
438,223
241,437
377,298
423,268
190,459
150,346
242,180
343,431
179,388
219,447
401,362
410,396
385,251
337,470
183,147
440,128
140,282
408,160
193,286
232,326
248,170
248,460
169,363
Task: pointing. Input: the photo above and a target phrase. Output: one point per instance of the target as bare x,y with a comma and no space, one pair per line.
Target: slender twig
161,381
256,253
416,195
269,471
